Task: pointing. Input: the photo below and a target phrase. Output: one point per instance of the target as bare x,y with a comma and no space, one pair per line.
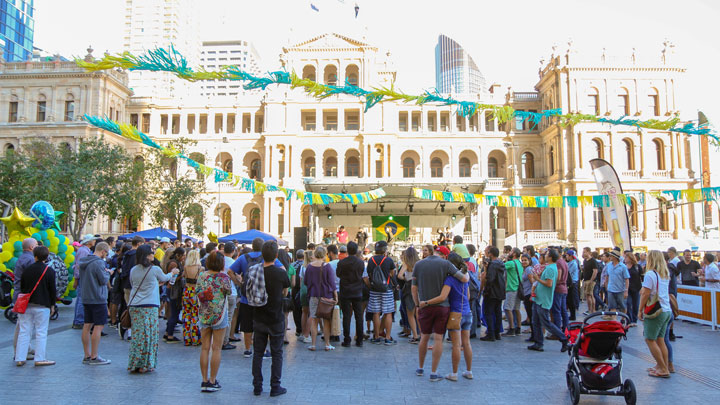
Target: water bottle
172,280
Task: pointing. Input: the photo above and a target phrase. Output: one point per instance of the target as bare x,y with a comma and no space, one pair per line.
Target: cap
444,250
343,248
87,238
381,243
300,253
570,252
165,240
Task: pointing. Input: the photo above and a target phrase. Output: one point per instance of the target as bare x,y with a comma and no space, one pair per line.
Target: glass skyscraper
455,70
16,29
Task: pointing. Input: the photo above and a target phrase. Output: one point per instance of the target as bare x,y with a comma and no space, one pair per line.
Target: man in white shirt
712,273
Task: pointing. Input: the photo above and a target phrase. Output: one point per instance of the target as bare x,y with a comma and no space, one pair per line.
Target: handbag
653,309
125,320
23,300
325,308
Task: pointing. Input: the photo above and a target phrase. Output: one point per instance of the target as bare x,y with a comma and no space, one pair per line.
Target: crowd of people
217,295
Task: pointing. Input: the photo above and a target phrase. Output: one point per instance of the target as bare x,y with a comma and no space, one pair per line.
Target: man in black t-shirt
269,322
589,274
688,269
350,272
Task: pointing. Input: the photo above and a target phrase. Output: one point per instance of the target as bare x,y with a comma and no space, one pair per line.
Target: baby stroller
595,366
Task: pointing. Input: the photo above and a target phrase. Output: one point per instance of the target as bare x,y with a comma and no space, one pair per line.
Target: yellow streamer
555,202
585,200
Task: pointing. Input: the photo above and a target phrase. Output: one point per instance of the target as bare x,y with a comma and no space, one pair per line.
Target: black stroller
595,366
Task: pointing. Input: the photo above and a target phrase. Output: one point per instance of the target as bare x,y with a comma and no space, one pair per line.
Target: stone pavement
505,372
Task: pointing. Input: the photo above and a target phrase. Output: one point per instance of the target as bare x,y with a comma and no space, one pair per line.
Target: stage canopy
247,236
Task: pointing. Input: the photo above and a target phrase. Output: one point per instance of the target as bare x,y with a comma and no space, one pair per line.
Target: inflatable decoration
42,226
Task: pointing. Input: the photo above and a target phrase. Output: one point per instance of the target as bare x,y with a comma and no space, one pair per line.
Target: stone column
341,163
341,120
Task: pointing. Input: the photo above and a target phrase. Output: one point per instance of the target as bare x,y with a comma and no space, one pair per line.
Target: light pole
495,212
516,180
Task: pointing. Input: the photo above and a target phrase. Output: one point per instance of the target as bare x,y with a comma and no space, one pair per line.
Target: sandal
45,363
19,363
329,348
655,374
414,341
311,348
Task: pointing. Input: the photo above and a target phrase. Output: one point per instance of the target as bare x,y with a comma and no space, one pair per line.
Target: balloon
8,247
61,237
54,242
44,215
62,248
51,233
5,256
70,250
62,256
18,246
17,254
11,263
44,234
37,236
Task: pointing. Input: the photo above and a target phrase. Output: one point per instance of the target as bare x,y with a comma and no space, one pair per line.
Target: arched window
331,166
41,108
436,167
654,102
9,148
464,167
69,108
599,220
659,154
623,102
598,148
256,169
352,74
254,220
352,167
309,167
551,160
528,165
492,167
330,75
629,153
663,223
408,167
226,220
228,165
633,217
309,72
593,102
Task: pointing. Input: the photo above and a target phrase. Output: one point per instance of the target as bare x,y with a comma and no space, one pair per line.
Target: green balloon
17,254
43,234
11,264
37,236
62,249
18,245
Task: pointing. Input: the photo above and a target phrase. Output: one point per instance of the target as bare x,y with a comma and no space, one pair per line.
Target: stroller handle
625,319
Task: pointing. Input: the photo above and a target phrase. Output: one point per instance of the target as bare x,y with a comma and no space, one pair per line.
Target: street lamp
495,213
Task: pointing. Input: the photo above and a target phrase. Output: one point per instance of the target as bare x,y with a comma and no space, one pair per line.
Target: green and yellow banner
396,227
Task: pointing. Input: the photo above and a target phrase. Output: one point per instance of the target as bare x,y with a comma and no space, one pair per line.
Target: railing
664,235
601,235
533,237
526,96
532,182
660,173
496,182
635,174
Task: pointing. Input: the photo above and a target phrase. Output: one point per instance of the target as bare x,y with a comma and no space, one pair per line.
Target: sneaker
77,326
86,360
98,361
586,313
390,342
468,375
451,377
278,391
536,347
517,331
509,333
203,386
257,391
435,378
564,347
498,337
359,343
227,346
377,341
171,339
247,354
487,338
213,387
345,344
267,355
419,372
307,340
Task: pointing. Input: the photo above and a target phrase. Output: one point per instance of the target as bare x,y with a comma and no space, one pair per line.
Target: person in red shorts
429,278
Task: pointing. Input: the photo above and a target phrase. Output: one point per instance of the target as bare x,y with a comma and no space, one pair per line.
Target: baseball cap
570,252
343,248
165,240
444,250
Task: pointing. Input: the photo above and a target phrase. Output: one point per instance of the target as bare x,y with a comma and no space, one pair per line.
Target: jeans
38,317
79,318
232,303
261,334
540,320
352,307
559,311
297,313
667,339
403,315
573,299
598,300
493,316
477,312
632,303
527,302
473,309
174,316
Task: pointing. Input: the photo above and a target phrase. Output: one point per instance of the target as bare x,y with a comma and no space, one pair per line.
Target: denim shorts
616,300
465,322
222,325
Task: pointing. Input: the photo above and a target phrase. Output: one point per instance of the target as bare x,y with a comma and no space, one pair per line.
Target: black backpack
378,282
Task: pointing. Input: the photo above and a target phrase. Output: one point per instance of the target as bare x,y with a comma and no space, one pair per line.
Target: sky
506,39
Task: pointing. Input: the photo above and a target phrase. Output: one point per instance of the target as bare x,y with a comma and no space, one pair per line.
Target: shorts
313,304
511,301
588,287
465,322
116,297
224,323
96,314
616,300
409,302
654,328
245,314
433,320
381,303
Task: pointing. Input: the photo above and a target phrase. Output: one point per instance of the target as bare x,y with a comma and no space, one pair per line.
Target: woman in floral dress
213,289
143,307
191,332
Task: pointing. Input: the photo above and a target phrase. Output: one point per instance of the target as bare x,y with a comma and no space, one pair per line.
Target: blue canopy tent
154,233
247,236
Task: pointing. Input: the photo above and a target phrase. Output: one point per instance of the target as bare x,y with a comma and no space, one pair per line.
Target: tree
96,178
176,199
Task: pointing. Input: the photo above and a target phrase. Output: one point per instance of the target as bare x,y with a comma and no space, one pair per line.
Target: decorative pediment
326,42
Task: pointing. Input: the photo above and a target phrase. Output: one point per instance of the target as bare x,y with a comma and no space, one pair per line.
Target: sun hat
87,239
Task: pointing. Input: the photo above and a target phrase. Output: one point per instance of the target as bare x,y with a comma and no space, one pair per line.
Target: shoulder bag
23,300
125,320
325,305
653,309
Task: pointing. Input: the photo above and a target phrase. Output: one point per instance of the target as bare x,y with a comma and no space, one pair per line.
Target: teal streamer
491,200
515,201
570,201
541,202
447,196
470,197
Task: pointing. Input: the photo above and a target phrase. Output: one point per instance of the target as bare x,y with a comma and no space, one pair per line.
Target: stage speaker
498,238
301,234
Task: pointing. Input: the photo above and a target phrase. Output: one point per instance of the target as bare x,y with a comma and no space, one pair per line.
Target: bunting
598,201
250,185
170,60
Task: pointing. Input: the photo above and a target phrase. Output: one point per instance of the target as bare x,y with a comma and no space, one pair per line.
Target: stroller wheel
574,390
630,392
10,315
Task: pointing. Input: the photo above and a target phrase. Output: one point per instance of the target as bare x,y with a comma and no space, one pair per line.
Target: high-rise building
158,24
17,27
216,54
455,70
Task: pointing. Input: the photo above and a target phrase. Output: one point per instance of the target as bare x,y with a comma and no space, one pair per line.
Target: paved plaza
505,372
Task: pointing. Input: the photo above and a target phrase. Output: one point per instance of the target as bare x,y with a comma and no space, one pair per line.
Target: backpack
474,286
61,273
255,286
251,261
378,283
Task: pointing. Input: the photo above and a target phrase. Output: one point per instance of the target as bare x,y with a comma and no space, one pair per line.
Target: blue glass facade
17,27
455,70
